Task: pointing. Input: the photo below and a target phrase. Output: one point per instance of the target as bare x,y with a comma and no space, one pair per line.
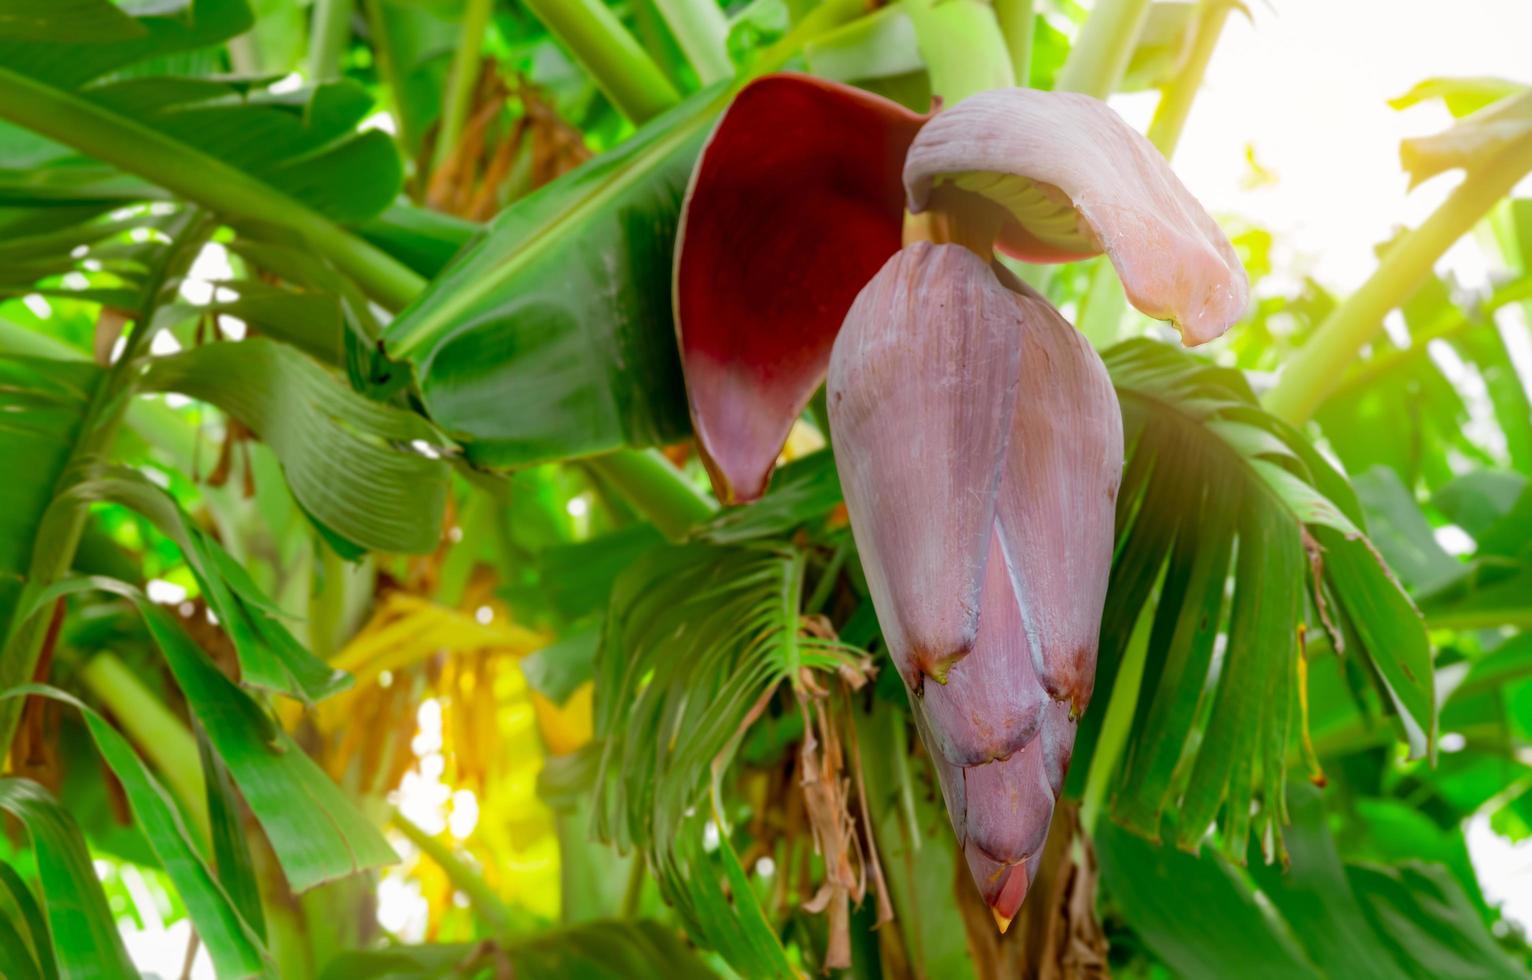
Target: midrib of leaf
58,535
139,149
431,327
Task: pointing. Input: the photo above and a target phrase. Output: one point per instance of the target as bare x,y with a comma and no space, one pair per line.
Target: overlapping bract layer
980,449
938,403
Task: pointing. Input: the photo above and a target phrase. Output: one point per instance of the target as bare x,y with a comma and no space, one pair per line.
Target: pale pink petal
922,391
1078,180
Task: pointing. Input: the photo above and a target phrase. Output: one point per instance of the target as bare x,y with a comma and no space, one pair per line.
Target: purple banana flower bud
976,433
979,444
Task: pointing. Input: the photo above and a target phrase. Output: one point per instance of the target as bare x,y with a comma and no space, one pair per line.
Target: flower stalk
460,82
616,61
1105,46
702,32
1314,372
329,31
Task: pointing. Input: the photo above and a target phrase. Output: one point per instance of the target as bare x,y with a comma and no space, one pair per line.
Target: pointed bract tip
1001,922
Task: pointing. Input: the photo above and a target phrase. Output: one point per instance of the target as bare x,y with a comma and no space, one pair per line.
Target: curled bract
794,203
1075,180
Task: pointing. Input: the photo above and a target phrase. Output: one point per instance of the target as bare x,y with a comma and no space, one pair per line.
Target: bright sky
1307,85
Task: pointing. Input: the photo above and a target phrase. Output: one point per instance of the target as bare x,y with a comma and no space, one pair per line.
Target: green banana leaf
1322,917
303,143
370,473
42,410
609,950
318,834
551,336
83,932
234,949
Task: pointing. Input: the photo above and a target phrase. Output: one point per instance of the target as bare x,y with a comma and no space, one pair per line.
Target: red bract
976,432
794,204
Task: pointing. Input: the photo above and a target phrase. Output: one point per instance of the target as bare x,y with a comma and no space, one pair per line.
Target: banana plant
424,491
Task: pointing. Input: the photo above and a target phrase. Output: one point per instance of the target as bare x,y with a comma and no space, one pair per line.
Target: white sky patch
381,121
1517,334
211,265
402,910
37,305
1504,869
1454,540
164,342
465,813
1327,131
165,593
290,82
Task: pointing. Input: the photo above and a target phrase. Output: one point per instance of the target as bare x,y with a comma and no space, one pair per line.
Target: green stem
329,33
1445,327
702,31
963,49
460,83
615,60
192,174
487,905
1105,46
1314,371
819,21
1176,97
388,73
159,734
655,488
1017,25
58,535
1102,306
633,891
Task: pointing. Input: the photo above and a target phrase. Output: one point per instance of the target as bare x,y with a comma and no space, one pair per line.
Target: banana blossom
976,432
